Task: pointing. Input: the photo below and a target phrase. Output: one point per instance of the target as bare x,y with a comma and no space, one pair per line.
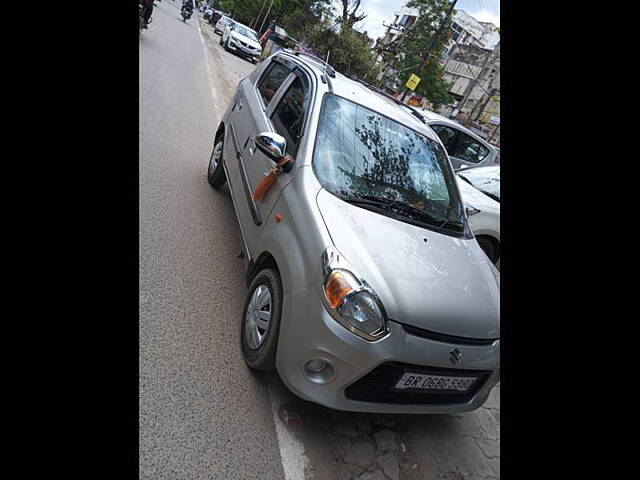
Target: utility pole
255,20
486,68
434,37
265,18
484,105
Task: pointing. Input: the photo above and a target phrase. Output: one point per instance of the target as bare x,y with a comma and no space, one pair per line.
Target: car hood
246,40
475,198
424,278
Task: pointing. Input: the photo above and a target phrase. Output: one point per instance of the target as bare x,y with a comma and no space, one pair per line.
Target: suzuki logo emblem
455,355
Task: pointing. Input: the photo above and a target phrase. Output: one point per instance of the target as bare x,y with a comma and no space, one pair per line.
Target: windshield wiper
465,179
390,205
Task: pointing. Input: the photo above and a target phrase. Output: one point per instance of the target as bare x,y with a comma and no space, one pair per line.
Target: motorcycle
186,14
141,13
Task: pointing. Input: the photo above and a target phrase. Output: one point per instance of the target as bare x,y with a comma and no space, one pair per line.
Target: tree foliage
414,45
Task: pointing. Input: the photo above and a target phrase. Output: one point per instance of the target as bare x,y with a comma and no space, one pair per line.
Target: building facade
471,62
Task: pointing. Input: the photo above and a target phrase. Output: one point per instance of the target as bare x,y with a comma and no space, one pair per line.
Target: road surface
203,414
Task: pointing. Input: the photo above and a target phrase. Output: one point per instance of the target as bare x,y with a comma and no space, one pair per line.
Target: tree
413,48
350,15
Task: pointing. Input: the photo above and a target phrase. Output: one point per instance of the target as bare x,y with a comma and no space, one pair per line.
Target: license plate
421,381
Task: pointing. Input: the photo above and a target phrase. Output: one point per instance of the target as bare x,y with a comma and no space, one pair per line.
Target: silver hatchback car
366,288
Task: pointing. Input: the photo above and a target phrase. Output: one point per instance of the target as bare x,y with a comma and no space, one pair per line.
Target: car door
258,108
287,118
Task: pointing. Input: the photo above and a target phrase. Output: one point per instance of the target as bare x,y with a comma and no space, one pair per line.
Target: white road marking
212,90
292,455
294,459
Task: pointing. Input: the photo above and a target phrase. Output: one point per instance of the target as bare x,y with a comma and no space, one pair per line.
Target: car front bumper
243,51
308,332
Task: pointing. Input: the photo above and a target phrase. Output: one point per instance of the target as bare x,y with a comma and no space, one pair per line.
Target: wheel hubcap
215,157
258,317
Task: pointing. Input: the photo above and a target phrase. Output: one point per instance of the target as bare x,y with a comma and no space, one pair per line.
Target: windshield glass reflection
361,154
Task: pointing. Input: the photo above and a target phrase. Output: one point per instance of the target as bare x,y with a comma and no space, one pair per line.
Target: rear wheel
215,173
260,323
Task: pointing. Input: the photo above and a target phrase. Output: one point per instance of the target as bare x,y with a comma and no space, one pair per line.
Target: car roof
359,93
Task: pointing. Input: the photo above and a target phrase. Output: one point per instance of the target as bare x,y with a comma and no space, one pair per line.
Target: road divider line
207,63
292,454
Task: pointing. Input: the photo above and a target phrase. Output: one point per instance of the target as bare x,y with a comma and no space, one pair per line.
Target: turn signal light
336,288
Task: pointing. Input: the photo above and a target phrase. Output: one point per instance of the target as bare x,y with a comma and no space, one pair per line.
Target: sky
382,10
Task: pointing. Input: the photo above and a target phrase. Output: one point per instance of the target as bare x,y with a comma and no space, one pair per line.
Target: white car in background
465,148
240,39
480,191
222,23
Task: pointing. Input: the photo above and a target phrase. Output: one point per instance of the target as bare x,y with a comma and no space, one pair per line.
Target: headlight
350,301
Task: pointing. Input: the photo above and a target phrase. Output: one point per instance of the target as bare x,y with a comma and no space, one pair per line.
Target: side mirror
471,210
272,145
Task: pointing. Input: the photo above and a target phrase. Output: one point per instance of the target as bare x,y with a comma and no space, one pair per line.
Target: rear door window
271,80
448,136
469,150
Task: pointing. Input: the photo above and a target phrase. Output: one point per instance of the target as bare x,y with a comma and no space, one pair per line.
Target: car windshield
245,32
375,162
485,179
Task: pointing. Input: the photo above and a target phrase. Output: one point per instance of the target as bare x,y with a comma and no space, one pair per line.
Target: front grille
377,385
442,337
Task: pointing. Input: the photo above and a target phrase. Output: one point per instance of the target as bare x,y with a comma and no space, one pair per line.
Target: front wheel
215,173
260,323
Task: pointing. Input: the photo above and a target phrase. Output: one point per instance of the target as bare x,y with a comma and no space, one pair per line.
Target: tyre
260,323
489,247
215,173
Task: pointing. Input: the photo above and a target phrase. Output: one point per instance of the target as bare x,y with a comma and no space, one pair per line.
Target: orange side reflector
278,217
336,289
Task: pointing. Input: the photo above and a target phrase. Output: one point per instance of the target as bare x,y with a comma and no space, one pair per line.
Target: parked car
222,23
207,13
464,147
215,16
483,204
367,290
242,40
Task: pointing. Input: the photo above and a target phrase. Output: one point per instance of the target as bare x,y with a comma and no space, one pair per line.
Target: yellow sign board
413,82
